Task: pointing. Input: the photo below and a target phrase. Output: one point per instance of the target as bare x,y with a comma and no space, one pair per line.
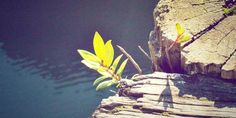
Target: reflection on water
40,70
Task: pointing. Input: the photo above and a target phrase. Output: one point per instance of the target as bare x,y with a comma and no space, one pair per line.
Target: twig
167,50
154,58
145,53
168,59
131,59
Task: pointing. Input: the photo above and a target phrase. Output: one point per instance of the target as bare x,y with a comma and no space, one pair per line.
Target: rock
211,53
228,70
214,43
171,95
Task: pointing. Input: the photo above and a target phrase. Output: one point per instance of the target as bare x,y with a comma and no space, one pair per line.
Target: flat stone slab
211,52
170,95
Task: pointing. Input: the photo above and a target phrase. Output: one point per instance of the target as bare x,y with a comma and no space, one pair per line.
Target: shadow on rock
217,90
166,97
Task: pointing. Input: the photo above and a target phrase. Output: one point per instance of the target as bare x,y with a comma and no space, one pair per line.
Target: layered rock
170,95
213,46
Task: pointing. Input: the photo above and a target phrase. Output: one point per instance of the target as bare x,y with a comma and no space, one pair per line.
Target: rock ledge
170,95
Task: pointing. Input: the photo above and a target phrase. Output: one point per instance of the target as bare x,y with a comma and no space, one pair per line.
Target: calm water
40,71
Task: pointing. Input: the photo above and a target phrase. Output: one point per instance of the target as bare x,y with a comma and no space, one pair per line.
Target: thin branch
144,52
168,59
154,58
131,59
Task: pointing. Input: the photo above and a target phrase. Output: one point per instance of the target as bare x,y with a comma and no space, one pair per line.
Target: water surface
40,71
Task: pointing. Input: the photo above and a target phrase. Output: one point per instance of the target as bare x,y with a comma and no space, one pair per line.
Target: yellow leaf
91,64
86,55
122,67
99,46
183,38
109,54
180,30
115,63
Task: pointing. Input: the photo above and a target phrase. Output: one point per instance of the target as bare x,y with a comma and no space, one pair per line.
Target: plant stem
171,45
110,71
167,53
154,57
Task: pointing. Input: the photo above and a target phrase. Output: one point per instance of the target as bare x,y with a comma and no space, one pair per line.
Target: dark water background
40,71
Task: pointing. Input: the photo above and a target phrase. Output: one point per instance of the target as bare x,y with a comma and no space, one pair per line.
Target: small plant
230,11
229,7
182,36
103,62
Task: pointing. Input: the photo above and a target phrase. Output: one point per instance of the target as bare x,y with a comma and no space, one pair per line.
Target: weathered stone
171,95
214,36
229,69
211,51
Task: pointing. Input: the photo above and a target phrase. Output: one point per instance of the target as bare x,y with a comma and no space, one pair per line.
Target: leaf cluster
102,61
230,11
182,36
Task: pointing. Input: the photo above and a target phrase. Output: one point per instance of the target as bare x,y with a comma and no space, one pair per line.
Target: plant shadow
166,97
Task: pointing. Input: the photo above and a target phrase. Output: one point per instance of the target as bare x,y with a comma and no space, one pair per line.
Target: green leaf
227,10
180,30
105,84
86,55
230,10
183,38
91,64
99,80
99,46
109,55
115,63
122,67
